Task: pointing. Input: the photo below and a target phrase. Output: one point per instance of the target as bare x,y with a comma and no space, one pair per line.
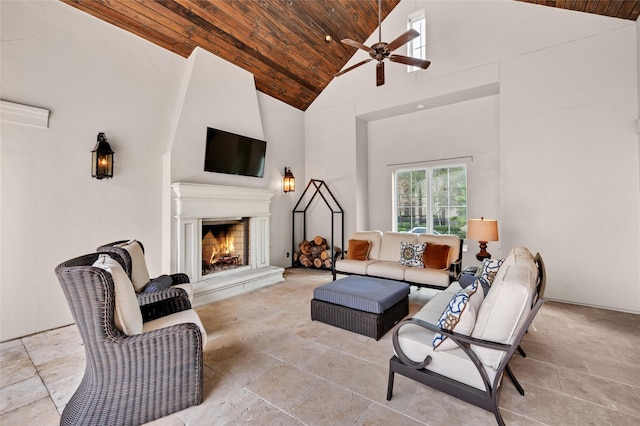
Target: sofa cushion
388,269
430,276
127,315
354,266
504,309
436,256
188,315
416,344
459,315
139,272
411,254
375,237
358,249
390,247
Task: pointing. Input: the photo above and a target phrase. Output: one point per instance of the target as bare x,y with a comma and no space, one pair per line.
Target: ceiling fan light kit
381,51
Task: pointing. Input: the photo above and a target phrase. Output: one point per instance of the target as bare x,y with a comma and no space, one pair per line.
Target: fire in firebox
223,246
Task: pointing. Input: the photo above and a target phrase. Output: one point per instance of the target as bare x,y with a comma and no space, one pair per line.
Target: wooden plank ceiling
281,42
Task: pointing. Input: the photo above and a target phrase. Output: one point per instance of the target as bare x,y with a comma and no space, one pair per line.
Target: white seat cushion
178,318
388,269
438,277
506,306
139,272
416,343
354,266
127,315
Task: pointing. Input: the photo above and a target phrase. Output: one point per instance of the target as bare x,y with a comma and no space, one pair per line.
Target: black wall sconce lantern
289,181
102,159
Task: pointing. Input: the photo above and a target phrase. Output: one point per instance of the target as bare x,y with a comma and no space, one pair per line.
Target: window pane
411,199
416,47
434,199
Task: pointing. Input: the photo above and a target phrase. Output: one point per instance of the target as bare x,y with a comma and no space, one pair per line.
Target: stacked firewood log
314,254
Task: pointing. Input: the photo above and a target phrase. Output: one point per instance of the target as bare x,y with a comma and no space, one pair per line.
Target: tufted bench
365,305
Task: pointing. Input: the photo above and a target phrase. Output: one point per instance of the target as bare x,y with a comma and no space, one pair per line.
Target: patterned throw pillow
490,269
411,254
459,316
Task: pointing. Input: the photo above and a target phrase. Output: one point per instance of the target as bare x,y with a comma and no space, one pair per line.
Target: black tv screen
234,154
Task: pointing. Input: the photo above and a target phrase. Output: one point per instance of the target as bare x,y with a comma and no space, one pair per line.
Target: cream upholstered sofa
483,332
385,252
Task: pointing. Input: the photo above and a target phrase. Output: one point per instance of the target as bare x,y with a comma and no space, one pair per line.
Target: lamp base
483,253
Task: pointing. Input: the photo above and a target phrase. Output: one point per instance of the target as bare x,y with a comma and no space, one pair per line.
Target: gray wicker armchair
147,295
128,380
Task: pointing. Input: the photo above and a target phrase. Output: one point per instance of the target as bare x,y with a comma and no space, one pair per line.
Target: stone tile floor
267,363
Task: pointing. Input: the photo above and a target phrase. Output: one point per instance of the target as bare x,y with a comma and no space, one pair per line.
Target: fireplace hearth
222,239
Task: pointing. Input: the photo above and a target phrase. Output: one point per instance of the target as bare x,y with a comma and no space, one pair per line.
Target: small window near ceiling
416,48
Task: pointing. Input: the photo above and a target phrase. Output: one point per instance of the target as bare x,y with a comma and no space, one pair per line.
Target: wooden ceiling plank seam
580,5
636,12
314,8
614,8
147,9
295,27
152,20
297,64
308,64
626,10
343,22
229,39
592,5
601,7
108,14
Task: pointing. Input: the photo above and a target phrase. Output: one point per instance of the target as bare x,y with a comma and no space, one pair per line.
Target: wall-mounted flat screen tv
234,154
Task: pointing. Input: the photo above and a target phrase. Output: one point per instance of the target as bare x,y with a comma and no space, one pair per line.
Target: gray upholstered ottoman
365,305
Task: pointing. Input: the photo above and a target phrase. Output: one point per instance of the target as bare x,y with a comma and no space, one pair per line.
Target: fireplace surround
200,207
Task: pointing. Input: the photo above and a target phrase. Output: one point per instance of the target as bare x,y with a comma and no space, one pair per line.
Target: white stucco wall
94,77
562,132
569,156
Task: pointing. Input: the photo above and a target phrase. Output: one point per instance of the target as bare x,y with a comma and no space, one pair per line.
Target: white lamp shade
482,229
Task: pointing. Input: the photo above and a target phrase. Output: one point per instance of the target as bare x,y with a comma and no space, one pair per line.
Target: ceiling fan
381,51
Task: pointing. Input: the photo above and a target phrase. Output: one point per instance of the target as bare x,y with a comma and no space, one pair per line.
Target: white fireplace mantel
195,203
196,200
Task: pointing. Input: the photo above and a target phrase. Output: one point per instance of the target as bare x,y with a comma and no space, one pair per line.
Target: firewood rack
321,189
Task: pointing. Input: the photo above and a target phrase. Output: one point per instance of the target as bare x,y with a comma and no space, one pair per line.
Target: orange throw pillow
358,249
436,255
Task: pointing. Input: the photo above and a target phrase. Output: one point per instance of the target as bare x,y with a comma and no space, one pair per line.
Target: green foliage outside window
435,199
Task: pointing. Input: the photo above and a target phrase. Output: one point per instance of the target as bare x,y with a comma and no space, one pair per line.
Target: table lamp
483,230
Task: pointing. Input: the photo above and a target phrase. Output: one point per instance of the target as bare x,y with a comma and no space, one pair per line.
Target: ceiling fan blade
352,67
402,40
355,44
415,62
380,73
